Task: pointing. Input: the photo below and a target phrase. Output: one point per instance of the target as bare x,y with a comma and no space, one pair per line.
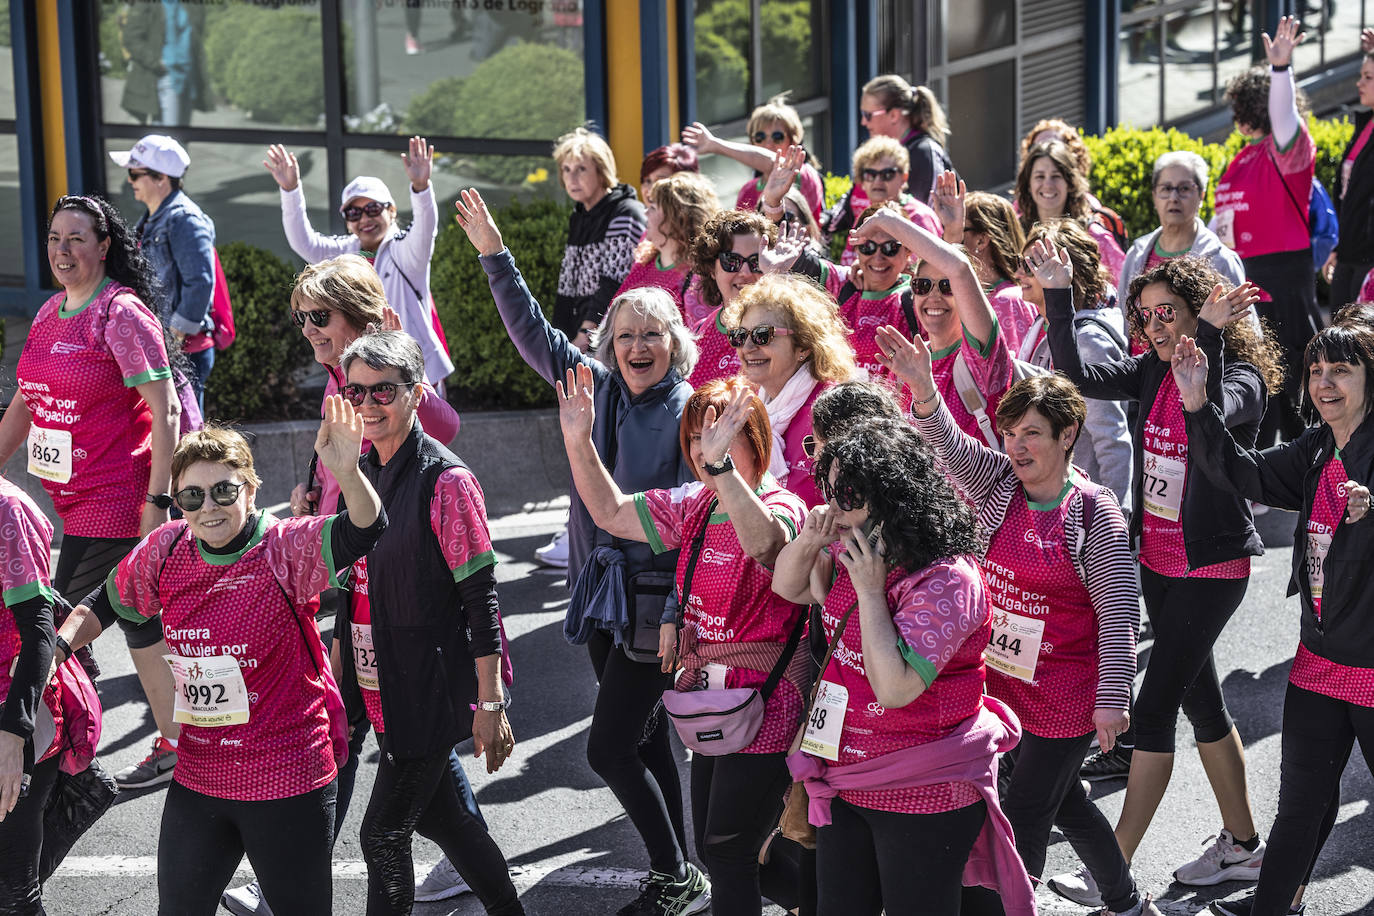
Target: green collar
1170,254
1058,500
229,559
62,309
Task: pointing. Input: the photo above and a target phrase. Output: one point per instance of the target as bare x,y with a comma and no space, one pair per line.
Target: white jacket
402,263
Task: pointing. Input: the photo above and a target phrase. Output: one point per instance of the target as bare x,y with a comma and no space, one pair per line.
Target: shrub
432,112
255,61
255,379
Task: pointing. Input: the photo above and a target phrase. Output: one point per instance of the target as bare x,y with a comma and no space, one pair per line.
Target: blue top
179,241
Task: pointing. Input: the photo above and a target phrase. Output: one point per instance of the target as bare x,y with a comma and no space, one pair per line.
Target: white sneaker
442,882
246,901
555,552
1224,860
1077,886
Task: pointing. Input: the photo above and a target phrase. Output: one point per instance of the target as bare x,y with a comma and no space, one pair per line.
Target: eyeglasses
648,338
318,317
372,208
809,446
762,335
136,174
923,286
1164,313
224,493
846,498
730,262
776,136
1166,191
889,248
382,393
866,116
874,174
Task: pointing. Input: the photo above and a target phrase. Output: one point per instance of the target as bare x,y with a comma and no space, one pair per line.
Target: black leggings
417,795
1318,735
21,844
736,800
83,563
628,748
869,861
1045,792
1188,615
288,841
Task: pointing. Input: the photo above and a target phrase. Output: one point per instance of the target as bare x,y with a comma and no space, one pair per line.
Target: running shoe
1077,886
412,44
1144,907
1113,764
1244,904
555,552
246,901
442,882
661,895
152,770
1223,860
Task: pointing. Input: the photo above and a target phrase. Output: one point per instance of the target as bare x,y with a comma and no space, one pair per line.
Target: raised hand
340,439
281,162
818,529
1189,365
1051,266
718,433
1279,49
909,360
576,407
1225,306
1366,40
390,320
419,163
786,164
948,201
696,134
476,222
779,257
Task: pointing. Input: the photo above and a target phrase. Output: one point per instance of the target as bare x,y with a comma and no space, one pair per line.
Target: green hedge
255,61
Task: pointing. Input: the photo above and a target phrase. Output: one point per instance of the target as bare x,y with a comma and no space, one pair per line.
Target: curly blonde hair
812,315
875,148
688,200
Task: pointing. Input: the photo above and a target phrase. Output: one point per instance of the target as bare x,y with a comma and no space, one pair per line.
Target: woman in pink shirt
726,256
1050,185
677,208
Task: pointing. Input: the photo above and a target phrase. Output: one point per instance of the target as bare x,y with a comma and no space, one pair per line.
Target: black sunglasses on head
889,248
732,263
885,174
318,317
382,393
923,286
224,493
372,208
777,136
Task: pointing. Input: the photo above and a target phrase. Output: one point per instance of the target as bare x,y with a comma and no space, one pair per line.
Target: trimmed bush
432,112
255,61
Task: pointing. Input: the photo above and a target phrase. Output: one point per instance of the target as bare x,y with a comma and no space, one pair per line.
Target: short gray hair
655,304
1182,158
387,350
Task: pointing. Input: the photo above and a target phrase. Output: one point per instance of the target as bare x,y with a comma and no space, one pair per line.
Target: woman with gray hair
644,352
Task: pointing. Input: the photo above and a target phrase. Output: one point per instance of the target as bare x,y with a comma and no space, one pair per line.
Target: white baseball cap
157,152
366,186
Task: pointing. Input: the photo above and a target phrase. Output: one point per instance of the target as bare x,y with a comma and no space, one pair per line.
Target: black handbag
76,803
647,597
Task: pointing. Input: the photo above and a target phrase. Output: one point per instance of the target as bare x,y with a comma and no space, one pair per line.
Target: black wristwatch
161,500
66,648
723,466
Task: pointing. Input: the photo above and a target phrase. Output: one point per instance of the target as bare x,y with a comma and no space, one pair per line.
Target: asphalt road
572,849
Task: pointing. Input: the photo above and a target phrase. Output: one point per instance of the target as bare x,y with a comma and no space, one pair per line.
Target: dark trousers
201,362
736,800
21,845
1346,281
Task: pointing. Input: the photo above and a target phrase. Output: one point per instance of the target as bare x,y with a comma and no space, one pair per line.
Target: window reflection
980,25
11,224
792,49
981,141
722,59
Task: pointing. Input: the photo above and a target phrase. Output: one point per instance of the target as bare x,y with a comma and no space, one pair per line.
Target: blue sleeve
192,245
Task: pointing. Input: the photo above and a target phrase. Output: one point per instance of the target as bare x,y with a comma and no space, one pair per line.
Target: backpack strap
973,400
908,299
1112,332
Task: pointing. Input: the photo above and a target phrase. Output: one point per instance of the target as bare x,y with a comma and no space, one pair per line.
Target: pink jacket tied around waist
967,754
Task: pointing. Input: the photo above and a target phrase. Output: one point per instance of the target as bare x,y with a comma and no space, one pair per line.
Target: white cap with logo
157,152
366,186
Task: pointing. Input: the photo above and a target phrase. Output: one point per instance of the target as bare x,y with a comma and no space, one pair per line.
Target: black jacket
600,253
1217,524
1286,476
1356,207
928,160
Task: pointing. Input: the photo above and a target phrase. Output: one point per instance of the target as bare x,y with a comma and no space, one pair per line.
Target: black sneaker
661,895
1112,764
1244,904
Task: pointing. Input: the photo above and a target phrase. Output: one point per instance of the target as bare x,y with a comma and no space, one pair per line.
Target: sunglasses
776,136
874,174
353,214
318,317
730,262
382,393
224,493
867,116
809,446
923,286
762,335
845,496
136,174
1164,313
889,248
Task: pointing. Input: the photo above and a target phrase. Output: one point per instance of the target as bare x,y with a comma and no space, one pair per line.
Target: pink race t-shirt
991,368
732,598
257,607
865,312
718,359
808,181
1164,471
942,621
78,375
1033,584
675,281
1262,198
1014,314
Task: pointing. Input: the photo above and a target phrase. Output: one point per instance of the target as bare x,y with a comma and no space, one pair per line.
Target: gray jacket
1206,245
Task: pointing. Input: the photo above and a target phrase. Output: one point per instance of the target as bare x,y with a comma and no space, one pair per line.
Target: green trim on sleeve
123,610
919,663
152,375
787,523
646,521
327,550
825,273
983,349
1289,145
21,593
481,561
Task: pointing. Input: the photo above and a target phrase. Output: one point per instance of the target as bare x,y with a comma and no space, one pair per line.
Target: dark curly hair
1090,279
837,409
886,464
1344,342
1192,279
716,235
1248,95
1076,200
124,262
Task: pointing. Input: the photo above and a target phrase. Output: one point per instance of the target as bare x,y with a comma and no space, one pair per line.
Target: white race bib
822,738
1161,485
1317,547
1014,648
50,454
708,677
210,691
1226,227
364,656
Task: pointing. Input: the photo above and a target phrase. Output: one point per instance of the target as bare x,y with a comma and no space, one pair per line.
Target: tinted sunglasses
889,248
846,497
318,317
382,393
762,335
809,446
224,493
1164,313
923,286
867,116
353,214
885,174
136,174
776,136
730,262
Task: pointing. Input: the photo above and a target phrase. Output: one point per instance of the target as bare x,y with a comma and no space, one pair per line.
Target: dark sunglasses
318,317
224,493
846,497
889,248
762,335
353,214
1164,313
885,174
382,393
923,286
136,174
730,262
809,446
866,116
777,136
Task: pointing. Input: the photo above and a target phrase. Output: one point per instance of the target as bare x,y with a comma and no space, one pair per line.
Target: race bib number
50,454
364,656
1317,547
709,677
1161,485
210,691
822,738
1226,227
1014,648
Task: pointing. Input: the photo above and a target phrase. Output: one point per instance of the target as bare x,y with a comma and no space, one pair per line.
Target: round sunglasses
372,208
889,248
762,335
873,174
382,393
846,498
776,136
1165,313
224,493
923,286
731,263
318,317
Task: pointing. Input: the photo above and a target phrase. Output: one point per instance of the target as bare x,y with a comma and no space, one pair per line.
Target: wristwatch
723,466
491,705
161,500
